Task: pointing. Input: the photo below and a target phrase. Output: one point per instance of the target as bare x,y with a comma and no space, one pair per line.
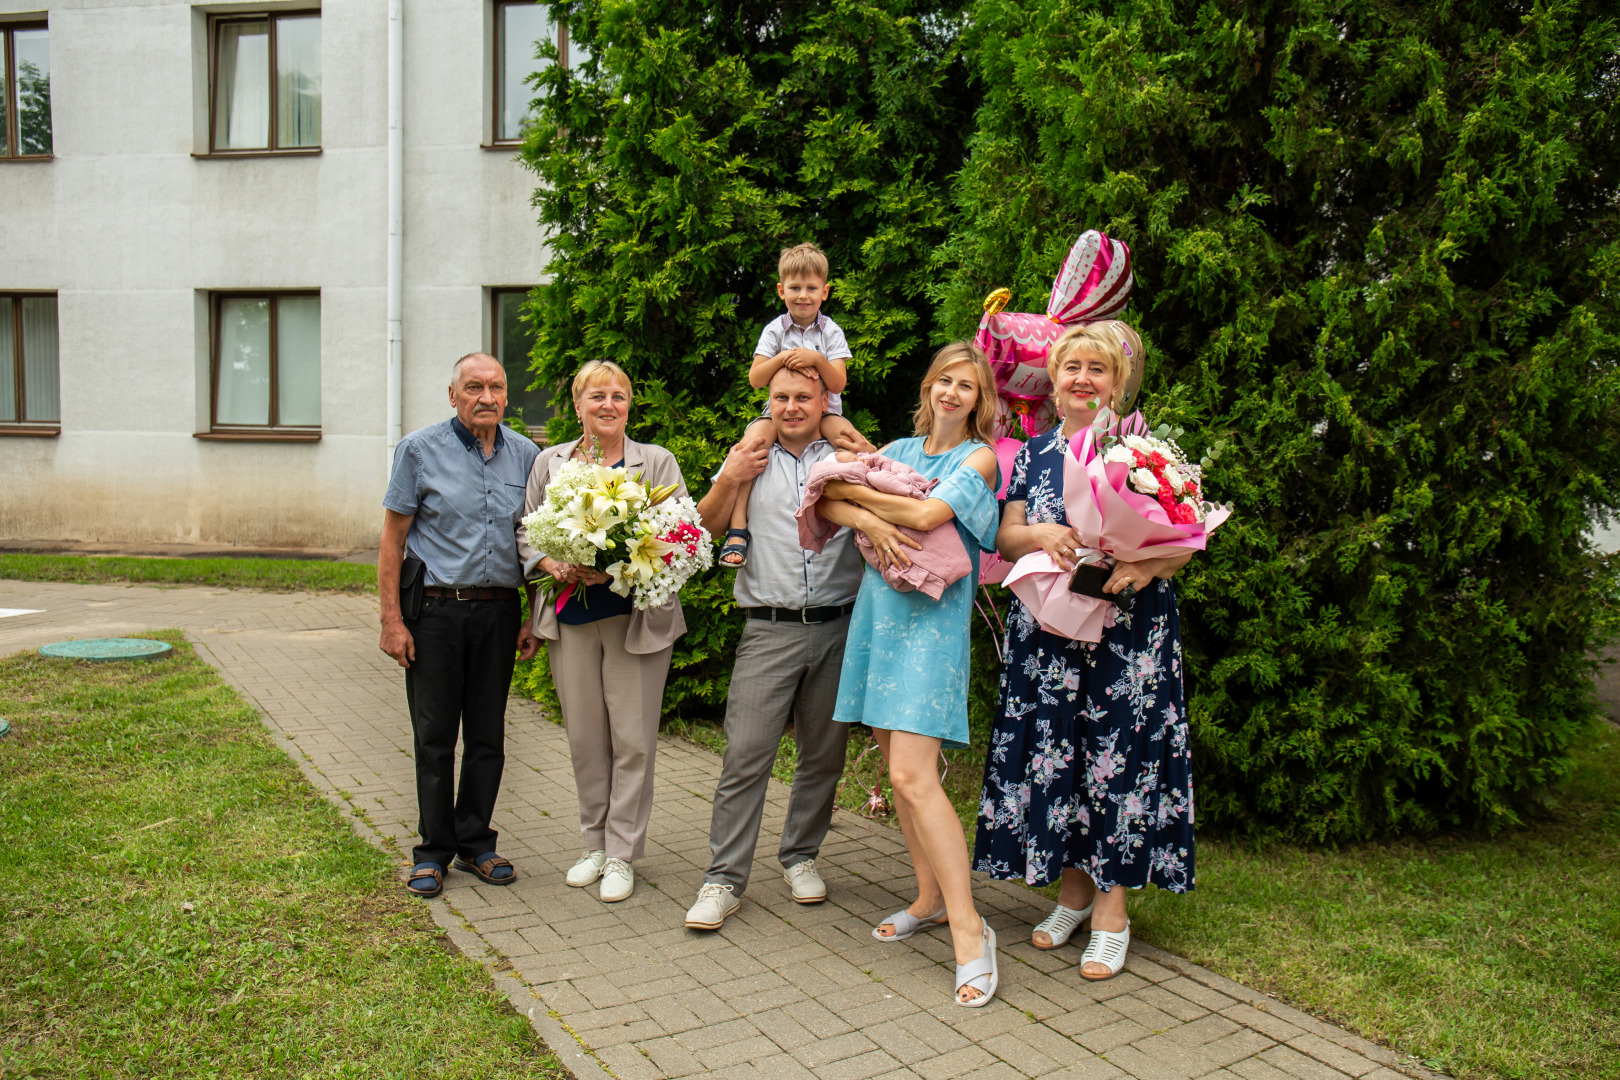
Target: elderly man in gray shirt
454,503
797,607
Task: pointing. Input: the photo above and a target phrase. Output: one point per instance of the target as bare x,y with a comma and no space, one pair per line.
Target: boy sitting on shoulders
806,341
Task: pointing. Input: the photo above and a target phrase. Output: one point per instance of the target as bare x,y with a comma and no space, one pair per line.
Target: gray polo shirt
779,572
466,507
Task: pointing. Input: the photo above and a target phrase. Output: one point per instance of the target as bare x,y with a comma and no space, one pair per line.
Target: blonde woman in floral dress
1088,777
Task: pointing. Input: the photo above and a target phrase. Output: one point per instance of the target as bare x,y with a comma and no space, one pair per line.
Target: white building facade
195,256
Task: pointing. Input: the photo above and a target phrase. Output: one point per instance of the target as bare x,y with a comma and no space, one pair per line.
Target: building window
29,398
266,83
25,91
267,364
514,340
519,29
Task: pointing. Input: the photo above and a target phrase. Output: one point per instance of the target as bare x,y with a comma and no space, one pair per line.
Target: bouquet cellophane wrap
1110,518
1094,283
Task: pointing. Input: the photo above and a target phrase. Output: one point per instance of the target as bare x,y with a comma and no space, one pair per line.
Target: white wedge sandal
1108,949
1060,926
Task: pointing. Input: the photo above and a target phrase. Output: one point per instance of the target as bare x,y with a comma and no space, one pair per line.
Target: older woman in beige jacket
608,660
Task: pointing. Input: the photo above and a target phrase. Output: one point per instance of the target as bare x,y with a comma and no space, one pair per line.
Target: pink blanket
940,563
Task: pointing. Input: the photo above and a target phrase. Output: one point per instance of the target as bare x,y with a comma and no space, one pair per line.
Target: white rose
1119,455
1144,481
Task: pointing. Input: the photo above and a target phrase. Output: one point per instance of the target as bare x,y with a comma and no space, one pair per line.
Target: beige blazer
650,631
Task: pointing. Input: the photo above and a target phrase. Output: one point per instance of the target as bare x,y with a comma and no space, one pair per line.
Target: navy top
467,508
601,602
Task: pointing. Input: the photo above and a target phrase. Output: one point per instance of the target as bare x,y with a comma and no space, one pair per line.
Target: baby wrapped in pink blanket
942,560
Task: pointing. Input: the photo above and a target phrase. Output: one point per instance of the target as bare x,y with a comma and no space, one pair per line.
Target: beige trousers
611,702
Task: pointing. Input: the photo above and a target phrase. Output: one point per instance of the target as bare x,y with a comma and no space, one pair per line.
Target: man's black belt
476,592
809,615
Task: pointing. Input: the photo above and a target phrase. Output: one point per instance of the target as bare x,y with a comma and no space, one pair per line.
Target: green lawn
1481,957
176,901
275,575
1484,957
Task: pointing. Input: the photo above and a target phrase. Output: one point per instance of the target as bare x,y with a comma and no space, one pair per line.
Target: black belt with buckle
809,616
473,592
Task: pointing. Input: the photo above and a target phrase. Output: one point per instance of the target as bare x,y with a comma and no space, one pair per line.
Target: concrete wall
133,232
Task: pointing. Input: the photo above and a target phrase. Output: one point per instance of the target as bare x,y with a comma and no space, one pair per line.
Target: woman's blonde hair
981,423
1092,338
599,371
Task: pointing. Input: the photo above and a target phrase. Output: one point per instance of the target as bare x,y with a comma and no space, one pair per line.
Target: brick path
784,990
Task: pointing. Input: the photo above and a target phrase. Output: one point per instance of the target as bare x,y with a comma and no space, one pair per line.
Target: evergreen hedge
1376,248
699,140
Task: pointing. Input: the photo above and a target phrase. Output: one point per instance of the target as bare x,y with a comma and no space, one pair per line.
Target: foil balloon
1094,283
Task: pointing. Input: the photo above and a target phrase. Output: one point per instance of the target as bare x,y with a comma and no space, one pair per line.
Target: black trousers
465,651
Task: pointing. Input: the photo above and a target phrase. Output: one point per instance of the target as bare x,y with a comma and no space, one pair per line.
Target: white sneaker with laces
587,870
618,881
808,888
714,903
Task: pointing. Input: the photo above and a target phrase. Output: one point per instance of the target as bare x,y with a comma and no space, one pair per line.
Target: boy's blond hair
981,423
802,260
599,371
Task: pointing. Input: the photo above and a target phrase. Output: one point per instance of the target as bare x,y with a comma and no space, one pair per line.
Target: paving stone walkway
625,990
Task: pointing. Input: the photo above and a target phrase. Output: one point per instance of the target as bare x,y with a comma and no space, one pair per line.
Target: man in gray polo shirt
454,502
797,607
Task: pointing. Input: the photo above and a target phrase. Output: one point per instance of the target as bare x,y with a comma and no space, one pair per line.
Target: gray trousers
783,670
611,700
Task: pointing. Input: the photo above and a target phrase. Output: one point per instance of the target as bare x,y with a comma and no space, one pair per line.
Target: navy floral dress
1088,764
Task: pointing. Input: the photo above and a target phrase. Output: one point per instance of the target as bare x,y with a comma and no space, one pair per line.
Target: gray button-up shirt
466,507
779,572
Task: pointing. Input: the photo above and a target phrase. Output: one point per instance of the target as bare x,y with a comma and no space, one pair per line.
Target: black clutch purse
412,582
1088,580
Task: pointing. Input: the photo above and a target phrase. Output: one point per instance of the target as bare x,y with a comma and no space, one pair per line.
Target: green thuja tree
1376,249
693,144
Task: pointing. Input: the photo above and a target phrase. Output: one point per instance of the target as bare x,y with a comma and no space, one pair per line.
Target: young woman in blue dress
905,671
1088,777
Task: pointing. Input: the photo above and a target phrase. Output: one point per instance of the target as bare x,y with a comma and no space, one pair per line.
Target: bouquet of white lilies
648,540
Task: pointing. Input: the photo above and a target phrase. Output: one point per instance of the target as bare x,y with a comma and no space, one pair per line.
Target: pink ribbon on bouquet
562,597
1108,517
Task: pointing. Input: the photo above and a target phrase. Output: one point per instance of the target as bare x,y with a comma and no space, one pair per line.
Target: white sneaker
714,903
618,880
588,869
808,888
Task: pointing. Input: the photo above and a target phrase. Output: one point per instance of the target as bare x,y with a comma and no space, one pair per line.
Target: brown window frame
271,432
270,149
8,70
560,37
496,292
22,425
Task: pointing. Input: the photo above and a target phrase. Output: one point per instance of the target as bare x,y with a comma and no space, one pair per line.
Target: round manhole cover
118,648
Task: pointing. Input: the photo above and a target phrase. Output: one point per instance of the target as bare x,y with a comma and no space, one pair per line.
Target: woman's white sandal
981,974
1108,949
1060,926
905,924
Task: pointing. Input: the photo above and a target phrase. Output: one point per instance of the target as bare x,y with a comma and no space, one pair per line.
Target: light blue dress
906,658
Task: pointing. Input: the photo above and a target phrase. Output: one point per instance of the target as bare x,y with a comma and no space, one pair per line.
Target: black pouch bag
1089,579
412,582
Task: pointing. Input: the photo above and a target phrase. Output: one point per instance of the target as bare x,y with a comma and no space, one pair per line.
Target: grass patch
131,790
1482,957
271,575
